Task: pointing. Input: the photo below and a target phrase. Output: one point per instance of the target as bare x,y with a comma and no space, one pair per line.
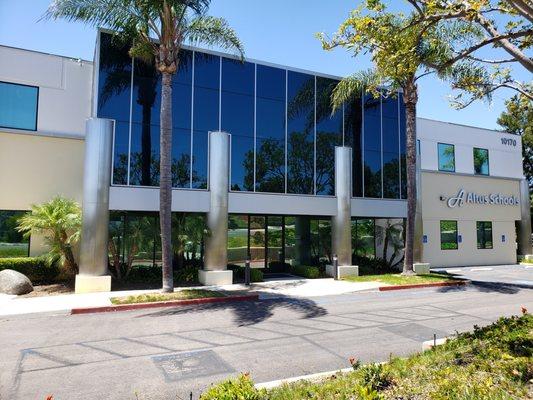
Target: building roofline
46,54
467,126
250,60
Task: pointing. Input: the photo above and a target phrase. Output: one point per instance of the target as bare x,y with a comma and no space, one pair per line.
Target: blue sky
278,31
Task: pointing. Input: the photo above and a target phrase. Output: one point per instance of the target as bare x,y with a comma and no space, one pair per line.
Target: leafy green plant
38,269
241,388
375,376
59,222
309,272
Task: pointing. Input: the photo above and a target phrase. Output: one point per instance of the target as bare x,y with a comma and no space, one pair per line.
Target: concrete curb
422,285
159,304
310,378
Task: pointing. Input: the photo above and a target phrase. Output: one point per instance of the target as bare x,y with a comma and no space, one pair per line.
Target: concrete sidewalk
299,288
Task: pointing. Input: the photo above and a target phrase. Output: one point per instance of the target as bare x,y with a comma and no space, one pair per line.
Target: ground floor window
364,237
12,242
448,235
135,240
484,234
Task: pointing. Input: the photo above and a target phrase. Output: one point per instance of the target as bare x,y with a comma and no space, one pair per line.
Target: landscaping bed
156,300
187,294
493,362
399,279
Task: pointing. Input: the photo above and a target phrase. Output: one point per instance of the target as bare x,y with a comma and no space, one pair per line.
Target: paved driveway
161,354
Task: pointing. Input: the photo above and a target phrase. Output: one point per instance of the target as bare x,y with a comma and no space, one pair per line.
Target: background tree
402,52
504,26
59,222
172,22
518,120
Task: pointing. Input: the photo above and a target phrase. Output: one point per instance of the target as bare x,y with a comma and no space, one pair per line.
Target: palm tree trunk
165,182
410,100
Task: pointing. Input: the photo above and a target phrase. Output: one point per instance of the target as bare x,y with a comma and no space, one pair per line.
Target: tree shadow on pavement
250,312
487,287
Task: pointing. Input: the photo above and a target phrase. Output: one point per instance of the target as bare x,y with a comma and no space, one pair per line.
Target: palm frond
353,86
214,31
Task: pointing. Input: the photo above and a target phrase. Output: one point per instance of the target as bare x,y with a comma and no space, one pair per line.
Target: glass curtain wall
283,134
135,239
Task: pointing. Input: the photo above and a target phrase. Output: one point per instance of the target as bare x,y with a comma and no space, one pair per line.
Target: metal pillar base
215,278
91,284
343,271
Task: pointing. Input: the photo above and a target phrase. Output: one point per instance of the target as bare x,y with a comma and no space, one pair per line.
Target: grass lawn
398,279
491,363
181,295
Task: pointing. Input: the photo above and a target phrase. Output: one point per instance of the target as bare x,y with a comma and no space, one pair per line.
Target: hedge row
37,269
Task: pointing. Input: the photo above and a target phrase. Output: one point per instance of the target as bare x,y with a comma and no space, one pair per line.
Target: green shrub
372,266
241,388
37,269
256,275
187,274
305,271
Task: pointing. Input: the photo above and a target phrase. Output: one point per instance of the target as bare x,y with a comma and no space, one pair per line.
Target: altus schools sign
462,198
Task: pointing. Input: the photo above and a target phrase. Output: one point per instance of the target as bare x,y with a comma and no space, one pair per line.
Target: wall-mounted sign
463,197
425,239
509,142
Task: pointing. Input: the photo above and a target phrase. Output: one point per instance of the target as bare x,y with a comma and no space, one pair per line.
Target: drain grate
192,364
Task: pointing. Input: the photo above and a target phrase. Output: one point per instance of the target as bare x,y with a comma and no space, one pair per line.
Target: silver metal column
524,238
341,233
96,182
216,252
418,245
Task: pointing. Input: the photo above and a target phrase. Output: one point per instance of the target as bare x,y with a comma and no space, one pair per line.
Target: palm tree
172,22
59,221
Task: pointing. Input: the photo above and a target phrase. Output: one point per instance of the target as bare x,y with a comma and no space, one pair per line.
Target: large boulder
13,282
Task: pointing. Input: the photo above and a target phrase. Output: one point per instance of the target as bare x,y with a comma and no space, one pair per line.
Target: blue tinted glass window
353,132
372,147
114,80
391,175
199,154
300,131
446,157
181,158
237,118
372,173
206,112
18,106
391,148
120,153
238,77
114,92
403,148
328,135
270,129
144,157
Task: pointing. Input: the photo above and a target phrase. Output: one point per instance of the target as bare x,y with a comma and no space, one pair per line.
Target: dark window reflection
403,148
353,133
391,148
391,176
270,130
114,87
144,157
120,155
372,147
328,135
301,122
238,119
206,112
